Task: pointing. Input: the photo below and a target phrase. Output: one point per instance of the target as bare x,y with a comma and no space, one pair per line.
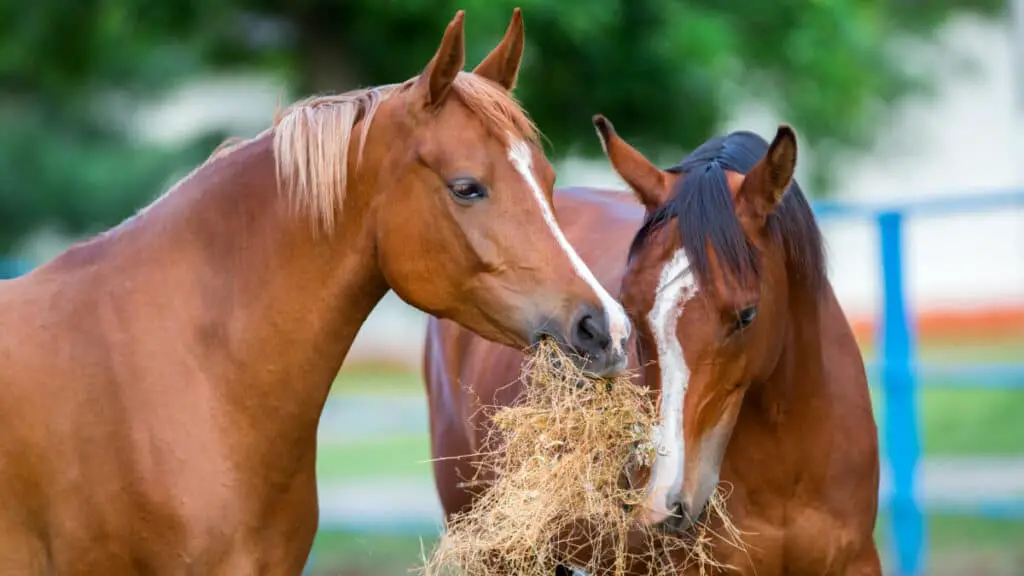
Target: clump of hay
558,498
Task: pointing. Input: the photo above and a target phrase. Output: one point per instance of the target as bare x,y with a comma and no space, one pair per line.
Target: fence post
900,413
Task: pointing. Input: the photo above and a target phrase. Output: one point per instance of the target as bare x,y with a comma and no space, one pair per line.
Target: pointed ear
502,64
435,82
766,184
650,185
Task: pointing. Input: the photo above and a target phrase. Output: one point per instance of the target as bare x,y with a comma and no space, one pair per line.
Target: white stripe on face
712,449
521,155
676,286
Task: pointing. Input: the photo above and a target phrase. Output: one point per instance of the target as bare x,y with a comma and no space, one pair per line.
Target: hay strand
559,498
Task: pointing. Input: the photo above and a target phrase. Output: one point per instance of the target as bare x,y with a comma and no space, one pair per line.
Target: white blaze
676,286
521,155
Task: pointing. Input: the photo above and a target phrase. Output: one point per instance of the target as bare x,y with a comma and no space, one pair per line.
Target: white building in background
968,140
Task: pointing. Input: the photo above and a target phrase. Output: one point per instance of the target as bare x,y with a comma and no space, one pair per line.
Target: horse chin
679,521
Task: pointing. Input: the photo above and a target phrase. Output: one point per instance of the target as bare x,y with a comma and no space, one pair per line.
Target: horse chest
819,542
799,541
192,519
160,538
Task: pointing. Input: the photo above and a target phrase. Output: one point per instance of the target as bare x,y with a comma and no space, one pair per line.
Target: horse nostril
580,331
590,333
590,339
587,329
680,510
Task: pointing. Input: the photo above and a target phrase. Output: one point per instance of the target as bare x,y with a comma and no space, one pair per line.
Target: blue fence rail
12,268
899,370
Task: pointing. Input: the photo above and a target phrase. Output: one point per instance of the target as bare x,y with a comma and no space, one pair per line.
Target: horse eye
467,189
745,318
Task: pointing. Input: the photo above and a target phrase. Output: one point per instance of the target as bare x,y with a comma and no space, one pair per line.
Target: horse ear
502,64
435,82
766,184
650,185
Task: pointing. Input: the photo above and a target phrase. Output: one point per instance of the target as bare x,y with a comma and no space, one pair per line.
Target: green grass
967,421
347,554
978,533
390,456
957,546
385,381
959,422
961,546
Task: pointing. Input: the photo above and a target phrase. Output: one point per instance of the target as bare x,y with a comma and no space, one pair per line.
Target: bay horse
759,382
163,381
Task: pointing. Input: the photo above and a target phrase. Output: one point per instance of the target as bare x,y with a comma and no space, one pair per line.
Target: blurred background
908,107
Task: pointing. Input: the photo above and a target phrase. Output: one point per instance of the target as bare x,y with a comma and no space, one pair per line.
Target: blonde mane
312,137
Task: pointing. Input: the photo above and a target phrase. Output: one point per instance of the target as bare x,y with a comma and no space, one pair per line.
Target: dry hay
559,498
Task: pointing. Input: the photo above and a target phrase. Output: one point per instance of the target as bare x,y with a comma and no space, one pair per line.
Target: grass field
959,547
966,421
401,456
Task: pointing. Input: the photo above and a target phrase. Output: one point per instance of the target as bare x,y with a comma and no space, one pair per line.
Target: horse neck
284,302
799,375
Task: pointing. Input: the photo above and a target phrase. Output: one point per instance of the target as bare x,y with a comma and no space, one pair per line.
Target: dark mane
703,208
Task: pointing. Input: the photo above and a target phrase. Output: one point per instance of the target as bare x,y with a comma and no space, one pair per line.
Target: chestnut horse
163,382
758,378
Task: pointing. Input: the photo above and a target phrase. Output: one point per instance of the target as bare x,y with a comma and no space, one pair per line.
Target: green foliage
667,72
66,158
60,168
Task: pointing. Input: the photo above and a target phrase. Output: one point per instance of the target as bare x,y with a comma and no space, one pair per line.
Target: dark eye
744,318
467,189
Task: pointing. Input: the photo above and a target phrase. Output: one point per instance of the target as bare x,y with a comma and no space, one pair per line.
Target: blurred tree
66,68
666,71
